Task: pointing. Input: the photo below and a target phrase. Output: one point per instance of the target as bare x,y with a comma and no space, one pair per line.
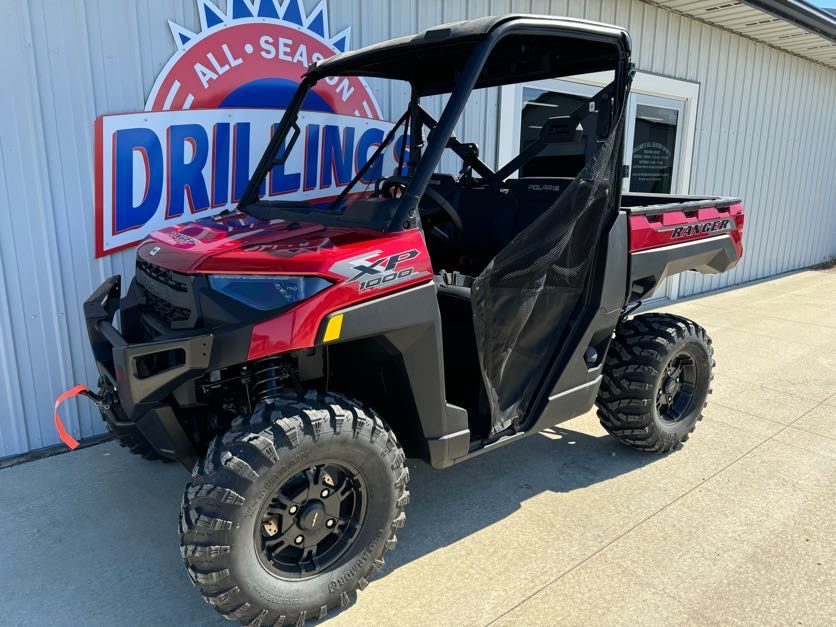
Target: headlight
267,292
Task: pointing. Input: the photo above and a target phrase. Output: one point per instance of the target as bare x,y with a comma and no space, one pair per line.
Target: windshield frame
424,158
268,159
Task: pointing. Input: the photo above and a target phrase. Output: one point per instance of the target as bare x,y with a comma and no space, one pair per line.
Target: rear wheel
656,381
292,509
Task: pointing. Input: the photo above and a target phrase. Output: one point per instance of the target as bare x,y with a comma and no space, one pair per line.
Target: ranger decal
700,228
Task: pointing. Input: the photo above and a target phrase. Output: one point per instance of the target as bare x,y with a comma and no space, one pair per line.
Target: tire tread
634,361
235,460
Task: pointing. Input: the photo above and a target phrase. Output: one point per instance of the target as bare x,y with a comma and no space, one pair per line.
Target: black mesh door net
525,297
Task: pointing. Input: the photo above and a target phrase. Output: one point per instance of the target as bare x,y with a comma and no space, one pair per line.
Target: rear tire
656,381
277,476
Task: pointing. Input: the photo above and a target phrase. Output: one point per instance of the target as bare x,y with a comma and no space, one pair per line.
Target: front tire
292,509
656,381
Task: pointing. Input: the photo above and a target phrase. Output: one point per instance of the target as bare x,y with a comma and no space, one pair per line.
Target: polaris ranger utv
292,354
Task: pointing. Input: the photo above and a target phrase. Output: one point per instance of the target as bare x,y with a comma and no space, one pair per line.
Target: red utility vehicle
291,355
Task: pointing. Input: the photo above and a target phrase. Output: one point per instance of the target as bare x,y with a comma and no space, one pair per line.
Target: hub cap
675,396
313,516
312,520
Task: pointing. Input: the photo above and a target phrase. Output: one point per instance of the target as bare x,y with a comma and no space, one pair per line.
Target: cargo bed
671,234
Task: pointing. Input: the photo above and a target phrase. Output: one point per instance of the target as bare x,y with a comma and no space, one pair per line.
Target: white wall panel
766,131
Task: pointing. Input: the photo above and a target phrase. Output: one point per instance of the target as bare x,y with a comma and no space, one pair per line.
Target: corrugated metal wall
766,131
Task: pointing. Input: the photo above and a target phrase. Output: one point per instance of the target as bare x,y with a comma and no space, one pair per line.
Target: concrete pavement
738,527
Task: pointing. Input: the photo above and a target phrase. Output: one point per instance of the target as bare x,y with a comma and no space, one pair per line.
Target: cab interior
491,208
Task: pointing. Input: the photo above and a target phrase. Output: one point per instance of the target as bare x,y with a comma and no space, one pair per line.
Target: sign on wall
211,112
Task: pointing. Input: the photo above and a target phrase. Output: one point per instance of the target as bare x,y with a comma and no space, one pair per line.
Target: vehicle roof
431,58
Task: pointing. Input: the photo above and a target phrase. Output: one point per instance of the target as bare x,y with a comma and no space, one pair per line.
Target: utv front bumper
140,376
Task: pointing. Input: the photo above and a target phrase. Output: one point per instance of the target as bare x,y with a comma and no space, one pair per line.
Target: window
557,97
555,159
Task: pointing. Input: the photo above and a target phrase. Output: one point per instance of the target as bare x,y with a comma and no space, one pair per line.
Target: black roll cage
423,159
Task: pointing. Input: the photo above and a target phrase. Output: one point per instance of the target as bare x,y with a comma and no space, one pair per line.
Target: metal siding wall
71,60
766,123
766,131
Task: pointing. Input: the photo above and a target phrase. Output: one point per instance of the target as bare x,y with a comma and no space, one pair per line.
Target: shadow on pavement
94,533
448,505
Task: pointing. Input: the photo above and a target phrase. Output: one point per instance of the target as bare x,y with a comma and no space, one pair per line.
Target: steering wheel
395,186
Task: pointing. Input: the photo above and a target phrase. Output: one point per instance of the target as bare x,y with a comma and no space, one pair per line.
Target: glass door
654,144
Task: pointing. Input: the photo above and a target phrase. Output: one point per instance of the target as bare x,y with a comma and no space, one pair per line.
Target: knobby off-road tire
240,482
129,437
135,442
656,381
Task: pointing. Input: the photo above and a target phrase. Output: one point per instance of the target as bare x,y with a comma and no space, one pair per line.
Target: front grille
167,295
166,311
163,275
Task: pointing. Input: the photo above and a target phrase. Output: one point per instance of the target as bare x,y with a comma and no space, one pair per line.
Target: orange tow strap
66,438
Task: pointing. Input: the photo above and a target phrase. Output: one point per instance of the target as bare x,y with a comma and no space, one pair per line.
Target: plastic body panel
408,323
362,264
576,385
653,228
673,238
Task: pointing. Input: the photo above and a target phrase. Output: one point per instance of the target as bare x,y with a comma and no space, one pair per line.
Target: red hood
237,243
362,264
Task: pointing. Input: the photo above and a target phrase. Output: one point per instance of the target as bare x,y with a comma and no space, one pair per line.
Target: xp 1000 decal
374,270
211,112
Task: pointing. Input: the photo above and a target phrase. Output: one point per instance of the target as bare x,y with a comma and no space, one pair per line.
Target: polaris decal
542,187
700,228
205,124
372,271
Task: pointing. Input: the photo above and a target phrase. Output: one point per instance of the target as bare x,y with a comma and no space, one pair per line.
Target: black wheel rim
312,520
677,390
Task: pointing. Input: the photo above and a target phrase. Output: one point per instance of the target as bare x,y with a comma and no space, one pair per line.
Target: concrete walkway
565,527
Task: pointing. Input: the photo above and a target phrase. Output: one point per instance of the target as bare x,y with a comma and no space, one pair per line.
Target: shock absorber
269,376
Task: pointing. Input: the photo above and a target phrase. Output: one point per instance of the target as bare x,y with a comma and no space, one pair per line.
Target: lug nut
293,509
325,493
299,539
329,523
670,398
677,379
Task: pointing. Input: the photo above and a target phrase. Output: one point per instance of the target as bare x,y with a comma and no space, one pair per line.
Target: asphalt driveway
566,527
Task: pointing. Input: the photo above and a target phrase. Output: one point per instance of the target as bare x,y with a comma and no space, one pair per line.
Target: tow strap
79,390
